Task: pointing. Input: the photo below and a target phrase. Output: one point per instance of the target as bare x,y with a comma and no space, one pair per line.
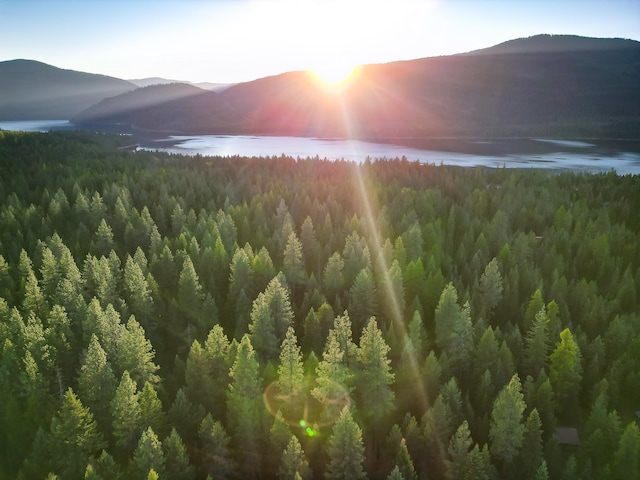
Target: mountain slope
546,85
31,90
173,107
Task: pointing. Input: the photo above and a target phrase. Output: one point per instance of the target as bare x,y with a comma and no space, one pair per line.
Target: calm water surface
576,155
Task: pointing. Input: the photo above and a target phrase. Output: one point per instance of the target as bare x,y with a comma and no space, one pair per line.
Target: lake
575,155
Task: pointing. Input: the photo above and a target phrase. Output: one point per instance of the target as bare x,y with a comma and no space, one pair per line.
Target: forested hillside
190,317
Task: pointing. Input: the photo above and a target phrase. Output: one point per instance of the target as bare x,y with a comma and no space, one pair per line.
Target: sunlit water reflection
575,155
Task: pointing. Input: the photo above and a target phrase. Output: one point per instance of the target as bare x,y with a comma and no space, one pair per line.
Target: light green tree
565,370
507,428
291,371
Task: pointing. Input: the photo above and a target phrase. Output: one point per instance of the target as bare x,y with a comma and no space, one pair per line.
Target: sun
334,75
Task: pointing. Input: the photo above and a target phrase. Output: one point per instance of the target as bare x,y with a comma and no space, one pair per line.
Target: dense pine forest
181,317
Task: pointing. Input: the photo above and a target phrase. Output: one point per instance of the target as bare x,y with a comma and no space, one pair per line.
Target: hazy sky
238,40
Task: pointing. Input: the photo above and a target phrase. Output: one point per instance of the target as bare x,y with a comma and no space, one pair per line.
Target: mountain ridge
542,85
30,89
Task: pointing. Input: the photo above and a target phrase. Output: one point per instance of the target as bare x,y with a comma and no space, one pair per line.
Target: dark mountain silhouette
146,82
34,90
557,43
173,107
543,85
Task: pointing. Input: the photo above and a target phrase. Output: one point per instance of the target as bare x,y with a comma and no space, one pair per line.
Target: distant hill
544,85
557,43
172,107
146,82
31,90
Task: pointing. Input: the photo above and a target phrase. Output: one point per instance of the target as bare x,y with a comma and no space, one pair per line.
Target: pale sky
239,40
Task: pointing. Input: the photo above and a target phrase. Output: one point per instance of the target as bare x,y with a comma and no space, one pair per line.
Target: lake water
575,155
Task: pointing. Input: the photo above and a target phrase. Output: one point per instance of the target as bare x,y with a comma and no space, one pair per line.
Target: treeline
190,317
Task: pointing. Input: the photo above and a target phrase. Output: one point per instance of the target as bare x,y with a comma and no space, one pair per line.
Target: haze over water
496,153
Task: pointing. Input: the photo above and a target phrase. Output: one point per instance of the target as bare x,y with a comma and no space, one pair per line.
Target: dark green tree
75,438
177,464
214,444
293,463
147,456
345,449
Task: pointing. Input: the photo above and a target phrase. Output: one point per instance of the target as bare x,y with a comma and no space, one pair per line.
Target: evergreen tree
333,378
279,436
245,407
374,377
395,474
97,383
138,294
177,464
454,331
403,462
291,372
191,295
333,278
490,287
293,260
507,429
103,242
185,417
135,354
293,462
626,461
125,411
214,443
537,344
74,437
565,371
345,449
531,455
271,316
343,335
151,412
362,300
148,456
459,448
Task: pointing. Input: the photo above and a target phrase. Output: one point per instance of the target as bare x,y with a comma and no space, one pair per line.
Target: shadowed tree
454,331
271,316
177,464
74,437
490,288
245,407
293,463
626,460
214,444
333,379
185,417
459,449
147,456
537,344
332,277
362,300
345,449
97,383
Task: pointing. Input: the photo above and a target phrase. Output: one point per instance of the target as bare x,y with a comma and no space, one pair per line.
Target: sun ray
374,235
